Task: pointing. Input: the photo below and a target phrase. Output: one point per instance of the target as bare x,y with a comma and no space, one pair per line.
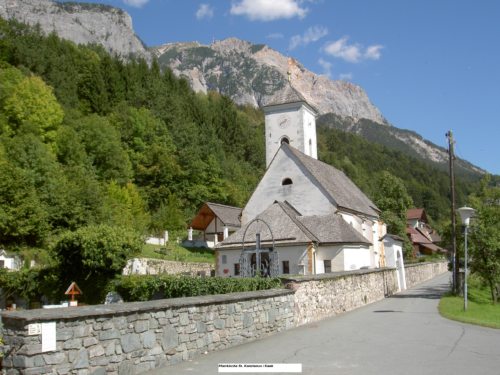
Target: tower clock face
283,122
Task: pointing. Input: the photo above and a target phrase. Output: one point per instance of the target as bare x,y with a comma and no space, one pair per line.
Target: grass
480,309
174,251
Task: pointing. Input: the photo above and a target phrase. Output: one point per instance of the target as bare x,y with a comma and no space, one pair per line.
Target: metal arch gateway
258,261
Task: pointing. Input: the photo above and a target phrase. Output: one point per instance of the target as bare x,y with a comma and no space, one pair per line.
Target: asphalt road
403,334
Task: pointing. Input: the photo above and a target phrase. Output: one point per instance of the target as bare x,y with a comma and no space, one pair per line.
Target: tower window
285,140
286,181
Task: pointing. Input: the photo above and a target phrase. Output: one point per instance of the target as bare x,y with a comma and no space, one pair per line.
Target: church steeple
289,118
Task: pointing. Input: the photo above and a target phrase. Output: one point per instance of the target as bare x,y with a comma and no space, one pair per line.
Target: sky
429,65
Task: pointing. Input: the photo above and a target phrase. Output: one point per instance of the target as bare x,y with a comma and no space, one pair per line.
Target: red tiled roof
415,213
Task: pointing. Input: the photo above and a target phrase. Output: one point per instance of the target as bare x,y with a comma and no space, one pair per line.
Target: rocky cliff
79,22
254,74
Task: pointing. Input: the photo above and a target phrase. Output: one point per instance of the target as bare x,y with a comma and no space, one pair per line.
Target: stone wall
130,338
148,266
419,272
134,337
321,296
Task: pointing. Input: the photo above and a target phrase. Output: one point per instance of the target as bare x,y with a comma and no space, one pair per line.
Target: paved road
403,334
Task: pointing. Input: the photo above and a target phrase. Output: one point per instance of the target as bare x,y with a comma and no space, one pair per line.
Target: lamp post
465,214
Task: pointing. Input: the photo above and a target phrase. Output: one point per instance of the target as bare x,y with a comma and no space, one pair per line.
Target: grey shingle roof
229,215
340,188
286,96
288,226
332,229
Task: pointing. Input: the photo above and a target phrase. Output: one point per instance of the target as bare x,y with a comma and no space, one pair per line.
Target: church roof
286,96
340,188
288,226
228,215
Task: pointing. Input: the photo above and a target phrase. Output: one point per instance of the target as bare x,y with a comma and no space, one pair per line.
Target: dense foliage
485,237
86,139
145,288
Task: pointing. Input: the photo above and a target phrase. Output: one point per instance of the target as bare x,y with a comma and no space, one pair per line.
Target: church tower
289,118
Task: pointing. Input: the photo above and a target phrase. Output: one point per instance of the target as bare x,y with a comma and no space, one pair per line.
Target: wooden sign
73,290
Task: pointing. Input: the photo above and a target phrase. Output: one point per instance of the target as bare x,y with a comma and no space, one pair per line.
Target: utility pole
455,261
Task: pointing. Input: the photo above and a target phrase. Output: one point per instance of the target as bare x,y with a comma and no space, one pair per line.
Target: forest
93,144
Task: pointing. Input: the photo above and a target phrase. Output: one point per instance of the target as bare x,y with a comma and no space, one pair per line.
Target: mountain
81,23
406,141
254,74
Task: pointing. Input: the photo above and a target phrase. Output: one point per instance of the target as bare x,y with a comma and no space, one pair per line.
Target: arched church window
285,140
286,181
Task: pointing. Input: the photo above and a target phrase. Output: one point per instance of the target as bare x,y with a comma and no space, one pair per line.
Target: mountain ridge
82,23
260,72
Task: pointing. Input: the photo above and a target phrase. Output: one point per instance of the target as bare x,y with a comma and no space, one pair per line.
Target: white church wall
304,194
297,123
226,261
394,258
295,255
332,253
309,131
356,258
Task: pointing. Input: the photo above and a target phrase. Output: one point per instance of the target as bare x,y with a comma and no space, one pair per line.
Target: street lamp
465,213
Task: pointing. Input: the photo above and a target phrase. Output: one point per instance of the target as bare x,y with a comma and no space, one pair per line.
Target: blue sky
428,65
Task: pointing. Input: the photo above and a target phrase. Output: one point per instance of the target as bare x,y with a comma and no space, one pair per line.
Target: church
305,217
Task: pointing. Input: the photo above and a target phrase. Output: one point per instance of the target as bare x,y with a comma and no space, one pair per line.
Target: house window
286,266
285,140
236,269
328,265
2,263
224,259
286,181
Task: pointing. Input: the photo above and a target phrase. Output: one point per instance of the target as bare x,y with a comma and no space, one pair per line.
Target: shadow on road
428,292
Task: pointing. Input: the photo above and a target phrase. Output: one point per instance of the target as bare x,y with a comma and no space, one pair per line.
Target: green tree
485,236
93,255
393,200
23,217
33,107
124,207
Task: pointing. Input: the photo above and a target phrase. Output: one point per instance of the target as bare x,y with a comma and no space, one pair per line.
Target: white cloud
136,3
268,10
204,11
327,67
345,76
352,52
312,34
373,52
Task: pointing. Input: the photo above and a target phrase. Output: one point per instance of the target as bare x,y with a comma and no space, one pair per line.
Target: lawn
480,309
174,251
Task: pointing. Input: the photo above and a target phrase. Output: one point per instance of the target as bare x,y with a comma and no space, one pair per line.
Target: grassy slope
480,309
174,251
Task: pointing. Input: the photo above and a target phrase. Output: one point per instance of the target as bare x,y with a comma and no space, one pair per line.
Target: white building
9,261
215,222
319,219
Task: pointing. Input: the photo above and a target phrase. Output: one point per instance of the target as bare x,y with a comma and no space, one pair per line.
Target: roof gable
340,188
416,213
287,96
228,215
289,226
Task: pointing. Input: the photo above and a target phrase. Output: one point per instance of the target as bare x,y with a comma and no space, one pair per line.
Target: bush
93,255
145,288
